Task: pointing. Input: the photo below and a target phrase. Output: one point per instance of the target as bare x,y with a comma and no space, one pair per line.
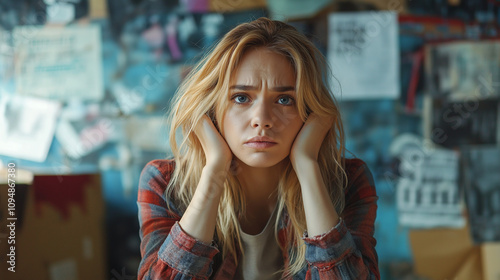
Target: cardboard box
224,6
490,258
98,9
391,5
59,231
450,254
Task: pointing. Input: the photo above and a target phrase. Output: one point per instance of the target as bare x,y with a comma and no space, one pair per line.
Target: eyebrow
277,89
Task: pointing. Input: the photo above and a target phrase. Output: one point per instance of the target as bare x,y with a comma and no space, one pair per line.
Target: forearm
346,249
200,216
320,212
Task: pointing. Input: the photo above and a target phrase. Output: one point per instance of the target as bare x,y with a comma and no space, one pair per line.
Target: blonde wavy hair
205,91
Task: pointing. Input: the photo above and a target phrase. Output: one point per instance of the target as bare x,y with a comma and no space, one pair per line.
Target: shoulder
154,181
163,166
360,181
352,165
155,176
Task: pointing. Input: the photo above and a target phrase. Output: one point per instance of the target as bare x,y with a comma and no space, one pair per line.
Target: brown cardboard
490,253
399,6
220,6
98,9
470,268
450,254
52,244
438,253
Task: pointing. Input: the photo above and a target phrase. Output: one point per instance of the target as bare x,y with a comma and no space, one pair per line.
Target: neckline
266,227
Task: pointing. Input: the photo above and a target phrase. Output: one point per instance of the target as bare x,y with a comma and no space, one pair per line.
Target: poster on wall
27,126
463,70
81,137
427,191
363,52
29,12
481,183
61,63
454,124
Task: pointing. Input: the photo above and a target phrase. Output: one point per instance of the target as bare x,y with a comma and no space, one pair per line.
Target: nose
262,116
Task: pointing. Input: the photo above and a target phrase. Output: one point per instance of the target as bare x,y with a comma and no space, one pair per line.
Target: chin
258,161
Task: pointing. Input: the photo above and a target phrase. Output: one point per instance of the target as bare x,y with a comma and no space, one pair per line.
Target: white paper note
62,63
363,52
27,126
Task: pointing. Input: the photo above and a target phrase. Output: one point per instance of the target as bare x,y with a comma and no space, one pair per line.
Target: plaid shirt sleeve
347,251
167,251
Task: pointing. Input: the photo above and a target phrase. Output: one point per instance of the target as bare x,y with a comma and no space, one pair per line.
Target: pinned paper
60,13
59,63
148,133
27,126
80,138
463,70
427,189
363,52
481,182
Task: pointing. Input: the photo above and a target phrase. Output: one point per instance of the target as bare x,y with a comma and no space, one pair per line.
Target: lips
260,142
260,145
261,139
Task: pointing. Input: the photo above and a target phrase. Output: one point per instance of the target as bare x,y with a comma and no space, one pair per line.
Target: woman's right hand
217,153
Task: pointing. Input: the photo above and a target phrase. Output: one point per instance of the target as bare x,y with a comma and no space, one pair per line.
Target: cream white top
262,255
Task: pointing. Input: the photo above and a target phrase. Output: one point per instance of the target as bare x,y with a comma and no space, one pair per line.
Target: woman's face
262,103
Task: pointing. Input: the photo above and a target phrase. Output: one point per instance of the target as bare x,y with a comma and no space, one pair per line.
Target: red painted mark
60,193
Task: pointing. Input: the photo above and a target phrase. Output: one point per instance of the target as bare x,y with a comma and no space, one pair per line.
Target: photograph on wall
481,183
464,70
453,124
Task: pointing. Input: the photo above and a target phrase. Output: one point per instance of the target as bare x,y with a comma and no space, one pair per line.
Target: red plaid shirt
347,251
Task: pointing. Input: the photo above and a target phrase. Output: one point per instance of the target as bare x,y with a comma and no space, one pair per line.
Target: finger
203,127
202,130
319,123
201,122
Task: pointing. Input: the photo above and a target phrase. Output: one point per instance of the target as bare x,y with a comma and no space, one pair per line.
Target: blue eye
290,102
239,98
284,100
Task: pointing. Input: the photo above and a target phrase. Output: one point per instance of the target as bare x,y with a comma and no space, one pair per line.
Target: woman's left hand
309,139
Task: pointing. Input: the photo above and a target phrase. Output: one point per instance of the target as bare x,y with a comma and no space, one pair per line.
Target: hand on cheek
217,152
309,139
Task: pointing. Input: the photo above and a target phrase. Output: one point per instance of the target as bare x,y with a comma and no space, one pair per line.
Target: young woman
259,187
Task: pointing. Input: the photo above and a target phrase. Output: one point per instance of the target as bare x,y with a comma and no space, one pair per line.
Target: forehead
263,65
